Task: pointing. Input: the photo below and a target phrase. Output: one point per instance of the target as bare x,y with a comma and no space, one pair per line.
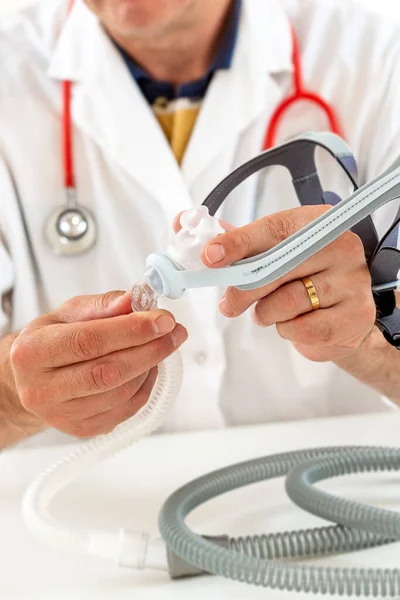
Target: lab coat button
200,357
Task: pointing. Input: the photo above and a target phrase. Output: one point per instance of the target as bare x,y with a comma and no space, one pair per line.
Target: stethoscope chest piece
70,230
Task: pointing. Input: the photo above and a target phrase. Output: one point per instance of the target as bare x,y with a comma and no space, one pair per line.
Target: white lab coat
235,372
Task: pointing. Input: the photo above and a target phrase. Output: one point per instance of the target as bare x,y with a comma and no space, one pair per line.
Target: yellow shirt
177,119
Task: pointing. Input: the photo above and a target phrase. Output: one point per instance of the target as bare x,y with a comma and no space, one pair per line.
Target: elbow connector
147,291
164,274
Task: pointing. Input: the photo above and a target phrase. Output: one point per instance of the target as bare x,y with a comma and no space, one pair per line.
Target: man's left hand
338,272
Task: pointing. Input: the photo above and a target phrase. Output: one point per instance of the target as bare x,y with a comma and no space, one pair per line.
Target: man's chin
141,18
125,22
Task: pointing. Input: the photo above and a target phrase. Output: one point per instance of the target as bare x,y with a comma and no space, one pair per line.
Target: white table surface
129,490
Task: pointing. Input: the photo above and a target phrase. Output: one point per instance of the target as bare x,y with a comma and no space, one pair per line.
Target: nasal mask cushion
198,228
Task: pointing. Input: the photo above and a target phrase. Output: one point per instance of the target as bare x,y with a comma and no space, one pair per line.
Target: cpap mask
165,276
265,559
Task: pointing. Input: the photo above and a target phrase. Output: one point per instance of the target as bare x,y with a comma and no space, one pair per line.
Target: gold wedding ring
312,293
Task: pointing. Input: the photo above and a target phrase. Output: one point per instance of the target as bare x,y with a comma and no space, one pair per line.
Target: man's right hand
92,363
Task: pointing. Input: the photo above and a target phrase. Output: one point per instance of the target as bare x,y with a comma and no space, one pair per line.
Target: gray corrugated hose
258,560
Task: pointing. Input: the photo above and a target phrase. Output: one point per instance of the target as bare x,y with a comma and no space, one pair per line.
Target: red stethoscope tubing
67,142
69,179
300,94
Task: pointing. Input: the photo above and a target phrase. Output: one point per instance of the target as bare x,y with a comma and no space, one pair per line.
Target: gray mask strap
391,237
365,229
298,156
390,327
385,263
385,266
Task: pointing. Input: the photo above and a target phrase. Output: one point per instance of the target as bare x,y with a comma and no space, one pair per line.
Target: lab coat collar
264,41
74,49
109,106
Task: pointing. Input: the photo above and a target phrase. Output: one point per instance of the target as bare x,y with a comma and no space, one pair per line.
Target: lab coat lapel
239,95
110,108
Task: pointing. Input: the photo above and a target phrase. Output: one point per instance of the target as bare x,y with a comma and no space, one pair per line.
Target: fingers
105,422
258,237
292,299
332,259
176,224
320,328
61,414
100,375
235,302
70,343
328,334
92,357
339,274
85,308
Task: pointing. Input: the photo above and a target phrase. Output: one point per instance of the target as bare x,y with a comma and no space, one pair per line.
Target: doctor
164,99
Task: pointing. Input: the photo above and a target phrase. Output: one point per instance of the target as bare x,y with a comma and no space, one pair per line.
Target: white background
387,6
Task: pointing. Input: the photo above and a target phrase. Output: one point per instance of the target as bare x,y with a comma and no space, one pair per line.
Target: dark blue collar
193,89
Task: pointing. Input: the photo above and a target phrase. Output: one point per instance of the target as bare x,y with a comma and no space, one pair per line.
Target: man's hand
339,273
91,364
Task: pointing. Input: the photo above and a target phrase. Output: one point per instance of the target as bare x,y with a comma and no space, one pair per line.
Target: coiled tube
41,492
253,560
306,543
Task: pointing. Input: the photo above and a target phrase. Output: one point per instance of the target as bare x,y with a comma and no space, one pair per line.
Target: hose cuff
178,567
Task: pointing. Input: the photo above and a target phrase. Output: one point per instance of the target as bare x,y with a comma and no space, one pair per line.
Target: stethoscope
71,229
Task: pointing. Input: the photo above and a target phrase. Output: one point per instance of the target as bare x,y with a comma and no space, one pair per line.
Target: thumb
87,308
259,236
